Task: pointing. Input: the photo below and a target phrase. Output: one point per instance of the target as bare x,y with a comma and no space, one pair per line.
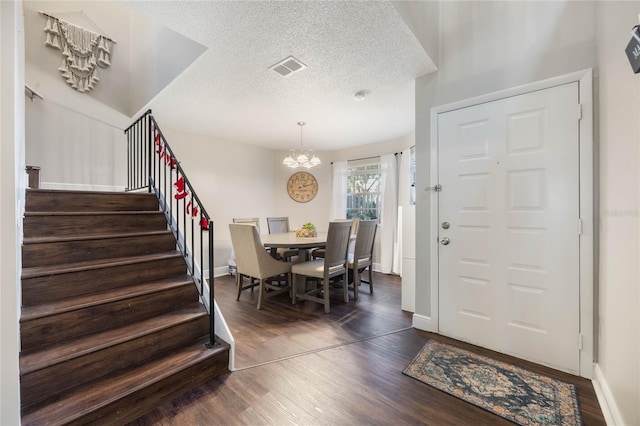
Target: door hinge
580,341
436,188
579,112
580,228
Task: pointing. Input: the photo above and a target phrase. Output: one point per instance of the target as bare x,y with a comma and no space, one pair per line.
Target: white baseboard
424,323
220,271
81,187
608,405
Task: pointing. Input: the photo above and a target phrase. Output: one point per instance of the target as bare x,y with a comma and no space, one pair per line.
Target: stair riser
129,408
55,253
50,288
69,325
62,201
94,224
55,380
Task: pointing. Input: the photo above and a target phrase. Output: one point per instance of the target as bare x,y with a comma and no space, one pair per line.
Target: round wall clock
302,187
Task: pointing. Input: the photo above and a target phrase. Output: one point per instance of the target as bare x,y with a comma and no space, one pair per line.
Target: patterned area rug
516,394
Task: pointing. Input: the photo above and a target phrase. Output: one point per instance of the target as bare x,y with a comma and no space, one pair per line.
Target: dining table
291,241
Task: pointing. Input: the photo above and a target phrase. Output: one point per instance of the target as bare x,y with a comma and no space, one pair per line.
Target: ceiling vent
288,66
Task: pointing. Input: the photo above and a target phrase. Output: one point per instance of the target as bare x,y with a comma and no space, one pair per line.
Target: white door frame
584,78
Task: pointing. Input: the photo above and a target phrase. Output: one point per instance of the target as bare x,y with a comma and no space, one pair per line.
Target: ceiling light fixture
301,157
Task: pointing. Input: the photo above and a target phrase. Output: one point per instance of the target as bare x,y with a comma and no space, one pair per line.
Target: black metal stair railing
152,165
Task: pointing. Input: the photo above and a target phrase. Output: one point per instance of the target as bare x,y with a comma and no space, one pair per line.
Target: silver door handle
445,241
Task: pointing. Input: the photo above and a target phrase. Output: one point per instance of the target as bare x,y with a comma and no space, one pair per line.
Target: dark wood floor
301,366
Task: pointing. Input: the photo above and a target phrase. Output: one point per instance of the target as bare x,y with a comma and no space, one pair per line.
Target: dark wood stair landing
111,324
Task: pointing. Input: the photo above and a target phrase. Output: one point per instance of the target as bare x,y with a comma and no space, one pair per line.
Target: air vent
288,66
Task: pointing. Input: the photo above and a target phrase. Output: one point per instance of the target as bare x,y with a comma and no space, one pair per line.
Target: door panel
509,278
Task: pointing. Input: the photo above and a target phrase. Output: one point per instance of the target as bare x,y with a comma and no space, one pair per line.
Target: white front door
509,210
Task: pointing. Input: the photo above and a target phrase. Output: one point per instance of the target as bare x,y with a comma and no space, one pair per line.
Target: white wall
485,47
619,131
147,56
374,149
489,46
74,150
238,180
12,183
231,179
423,19
315,211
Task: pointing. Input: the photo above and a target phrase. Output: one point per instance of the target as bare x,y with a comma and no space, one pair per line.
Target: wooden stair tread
39,240
95,213
38,271
88,192
119,293
103,392
37,360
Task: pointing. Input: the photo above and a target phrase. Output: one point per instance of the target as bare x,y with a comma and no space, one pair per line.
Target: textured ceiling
230,93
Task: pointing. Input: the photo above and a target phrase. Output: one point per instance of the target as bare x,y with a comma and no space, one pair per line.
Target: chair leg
356,283
261,294
294,287
371,279
238,285
325,289
345,286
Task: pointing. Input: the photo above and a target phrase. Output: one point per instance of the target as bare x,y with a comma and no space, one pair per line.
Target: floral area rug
516,394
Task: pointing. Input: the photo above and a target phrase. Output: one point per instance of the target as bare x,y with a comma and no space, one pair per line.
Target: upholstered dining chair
332,265
362,256
280,225
254,261
251,220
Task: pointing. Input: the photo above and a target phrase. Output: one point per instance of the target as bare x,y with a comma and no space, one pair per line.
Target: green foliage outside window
363,192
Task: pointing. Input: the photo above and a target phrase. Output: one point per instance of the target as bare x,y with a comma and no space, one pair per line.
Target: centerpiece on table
308,230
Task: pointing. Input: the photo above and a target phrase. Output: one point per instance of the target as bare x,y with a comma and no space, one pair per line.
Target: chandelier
301,157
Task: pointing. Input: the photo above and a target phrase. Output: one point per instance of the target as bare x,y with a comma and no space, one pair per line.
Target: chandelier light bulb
301,157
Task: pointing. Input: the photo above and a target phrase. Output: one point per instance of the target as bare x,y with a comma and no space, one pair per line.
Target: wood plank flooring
301,366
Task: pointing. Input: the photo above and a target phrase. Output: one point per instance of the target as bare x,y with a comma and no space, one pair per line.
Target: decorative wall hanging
82,52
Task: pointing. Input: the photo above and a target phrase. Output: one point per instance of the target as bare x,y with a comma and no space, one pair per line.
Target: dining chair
251,220
280,225
319,252
332,265
254,261
362,256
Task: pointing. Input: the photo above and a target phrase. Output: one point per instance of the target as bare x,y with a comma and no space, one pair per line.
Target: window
363,191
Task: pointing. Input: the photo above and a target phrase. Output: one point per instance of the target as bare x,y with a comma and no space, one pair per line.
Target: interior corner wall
12,184
619,226
485,47
422,19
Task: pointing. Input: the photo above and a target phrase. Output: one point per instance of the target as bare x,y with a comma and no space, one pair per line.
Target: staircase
111,325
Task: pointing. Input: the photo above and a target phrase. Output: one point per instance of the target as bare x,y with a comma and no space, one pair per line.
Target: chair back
364,239
278,225
251,257
355,225
337,246
250,220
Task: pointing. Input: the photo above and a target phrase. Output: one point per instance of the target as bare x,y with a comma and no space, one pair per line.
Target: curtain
389,214
404,186
339,191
